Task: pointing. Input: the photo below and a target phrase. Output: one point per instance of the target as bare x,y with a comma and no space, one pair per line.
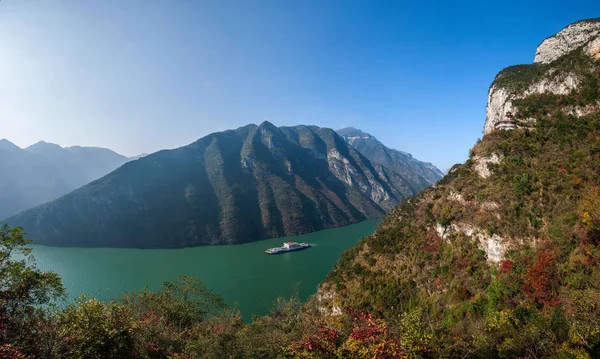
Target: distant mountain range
230,187
45,171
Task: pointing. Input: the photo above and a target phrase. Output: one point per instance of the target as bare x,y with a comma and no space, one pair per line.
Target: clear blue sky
139,76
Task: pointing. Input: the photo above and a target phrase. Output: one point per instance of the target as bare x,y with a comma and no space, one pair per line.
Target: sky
141,76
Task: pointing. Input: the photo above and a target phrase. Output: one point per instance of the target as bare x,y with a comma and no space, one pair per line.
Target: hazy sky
139,76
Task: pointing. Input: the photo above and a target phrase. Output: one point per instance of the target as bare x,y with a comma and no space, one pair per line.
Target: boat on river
288,247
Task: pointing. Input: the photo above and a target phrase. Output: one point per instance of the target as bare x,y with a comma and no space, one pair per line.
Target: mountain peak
7,145
269,129
352,132
580,33
267,124
42,146
403,163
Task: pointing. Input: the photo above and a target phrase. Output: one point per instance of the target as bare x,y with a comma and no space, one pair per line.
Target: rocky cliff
230,187
582,33
559,68
501,258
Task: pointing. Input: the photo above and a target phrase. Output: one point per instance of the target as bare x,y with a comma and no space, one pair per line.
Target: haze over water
241,274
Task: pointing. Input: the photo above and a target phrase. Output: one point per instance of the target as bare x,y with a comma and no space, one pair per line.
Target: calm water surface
241,274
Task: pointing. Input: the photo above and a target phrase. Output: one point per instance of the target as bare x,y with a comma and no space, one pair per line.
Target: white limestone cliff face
567,40
584,35
500,100
494,246
593,48
481,164
327,303
367,183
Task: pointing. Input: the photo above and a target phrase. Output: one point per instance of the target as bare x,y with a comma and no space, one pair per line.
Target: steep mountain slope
229,187
502,257
45,171
418,174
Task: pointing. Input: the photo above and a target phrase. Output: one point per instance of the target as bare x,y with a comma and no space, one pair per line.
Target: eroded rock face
567,40
593,48
481,164
365,181
326,303
494,246
500,100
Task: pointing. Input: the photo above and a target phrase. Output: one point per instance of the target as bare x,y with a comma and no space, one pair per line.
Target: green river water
241,274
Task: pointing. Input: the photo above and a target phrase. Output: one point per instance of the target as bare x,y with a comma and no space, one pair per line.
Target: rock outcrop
415,172
546,74
568,39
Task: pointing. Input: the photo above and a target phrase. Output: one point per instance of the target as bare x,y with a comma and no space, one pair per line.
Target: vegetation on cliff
537,212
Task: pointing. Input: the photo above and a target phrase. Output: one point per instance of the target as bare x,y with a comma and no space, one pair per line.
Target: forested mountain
228,187
46,171
502,257
419,174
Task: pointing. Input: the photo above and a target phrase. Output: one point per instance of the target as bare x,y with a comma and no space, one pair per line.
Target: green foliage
21,285
23,289
516,78
93,329
183,303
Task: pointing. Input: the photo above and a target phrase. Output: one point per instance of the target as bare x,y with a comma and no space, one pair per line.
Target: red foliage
541,280
370,331
432,243
562,171
367,327
506,266
324,342
151,318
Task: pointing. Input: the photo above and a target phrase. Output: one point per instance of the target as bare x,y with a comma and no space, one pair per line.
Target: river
241,274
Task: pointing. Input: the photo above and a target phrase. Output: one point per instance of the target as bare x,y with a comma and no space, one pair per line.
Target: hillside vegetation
502,257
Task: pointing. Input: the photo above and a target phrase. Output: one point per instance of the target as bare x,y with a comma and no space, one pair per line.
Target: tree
183,303
23,288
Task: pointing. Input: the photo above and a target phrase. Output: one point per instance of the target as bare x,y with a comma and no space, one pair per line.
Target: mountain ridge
45,171
284,180
401,162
